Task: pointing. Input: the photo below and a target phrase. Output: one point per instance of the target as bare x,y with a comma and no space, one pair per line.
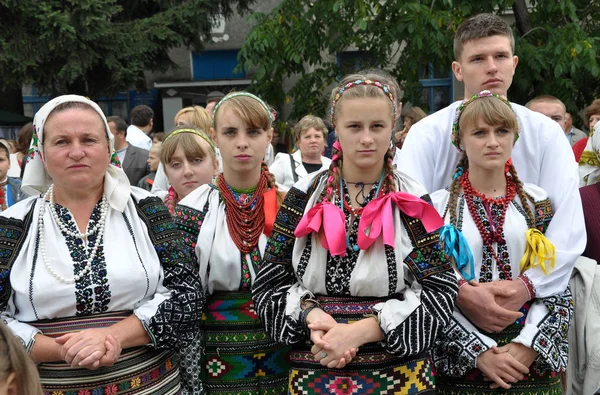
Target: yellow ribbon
539,250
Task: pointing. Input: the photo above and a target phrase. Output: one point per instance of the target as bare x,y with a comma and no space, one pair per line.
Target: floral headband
203,135
461,107
247,94
386,89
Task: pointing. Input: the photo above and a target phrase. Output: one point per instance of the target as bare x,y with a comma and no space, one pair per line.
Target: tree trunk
522,17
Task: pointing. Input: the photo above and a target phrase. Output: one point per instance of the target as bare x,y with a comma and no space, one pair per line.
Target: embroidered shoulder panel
281,243
427,257
543,214
189,221
13,233
164,234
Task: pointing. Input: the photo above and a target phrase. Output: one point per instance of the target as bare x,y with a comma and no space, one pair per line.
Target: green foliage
558,55
96,47
301,38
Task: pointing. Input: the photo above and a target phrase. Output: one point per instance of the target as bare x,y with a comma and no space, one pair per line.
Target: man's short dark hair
119,122
141,115
481,26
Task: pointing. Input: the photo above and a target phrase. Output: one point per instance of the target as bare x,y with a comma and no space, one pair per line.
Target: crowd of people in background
389,251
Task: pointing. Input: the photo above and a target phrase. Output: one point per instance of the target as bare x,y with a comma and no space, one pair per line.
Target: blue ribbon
456,246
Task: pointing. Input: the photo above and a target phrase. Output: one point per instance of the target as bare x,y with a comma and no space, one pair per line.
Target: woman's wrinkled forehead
102,127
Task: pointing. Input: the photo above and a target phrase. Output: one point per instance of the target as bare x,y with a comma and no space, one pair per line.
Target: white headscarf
37,180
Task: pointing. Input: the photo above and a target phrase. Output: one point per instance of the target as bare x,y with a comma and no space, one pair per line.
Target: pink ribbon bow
377,217
329,217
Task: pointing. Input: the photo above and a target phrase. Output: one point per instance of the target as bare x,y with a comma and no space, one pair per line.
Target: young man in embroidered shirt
485,60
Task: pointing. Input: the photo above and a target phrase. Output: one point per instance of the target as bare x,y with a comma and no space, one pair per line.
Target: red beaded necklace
245,221
495,234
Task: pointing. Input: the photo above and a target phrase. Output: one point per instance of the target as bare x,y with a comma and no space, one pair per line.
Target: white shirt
137,137
542,156
281,168
121,154
133,271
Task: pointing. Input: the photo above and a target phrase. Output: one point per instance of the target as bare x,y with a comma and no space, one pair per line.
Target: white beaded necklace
99,226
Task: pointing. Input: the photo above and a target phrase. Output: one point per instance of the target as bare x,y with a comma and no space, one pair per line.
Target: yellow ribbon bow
539,250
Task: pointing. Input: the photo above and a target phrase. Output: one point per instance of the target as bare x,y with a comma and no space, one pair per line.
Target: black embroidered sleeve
277,276
456,350
427,257
419,331
13,233
431,269
176,322
551,341
189,221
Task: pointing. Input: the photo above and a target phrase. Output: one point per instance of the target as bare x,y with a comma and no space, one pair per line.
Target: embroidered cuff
304,314
528,285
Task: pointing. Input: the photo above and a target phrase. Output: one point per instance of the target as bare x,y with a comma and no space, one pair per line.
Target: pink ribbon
333,222
377,217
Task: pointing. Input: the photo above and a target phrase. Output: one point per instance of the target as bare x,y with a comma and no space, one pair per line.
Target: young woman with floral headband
495,232
228,223
354,276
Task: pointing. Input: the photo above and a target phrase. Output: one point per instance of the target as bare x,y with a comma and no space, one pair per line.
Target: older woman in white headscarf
589,164
94,277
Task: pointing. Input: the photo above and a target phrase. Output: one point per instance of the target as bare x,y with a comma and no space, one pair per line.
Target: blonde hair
199,118
14,359
156,148
191,145
307,122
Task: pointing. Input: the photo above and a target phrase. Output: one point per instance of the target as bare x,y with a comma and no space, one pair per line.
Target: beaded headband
386,89
203,135
247,94
461,107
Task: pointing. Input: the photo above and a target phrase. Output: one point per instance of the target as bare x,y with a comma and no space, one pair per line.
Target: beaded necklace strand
98,227
245,220
495,233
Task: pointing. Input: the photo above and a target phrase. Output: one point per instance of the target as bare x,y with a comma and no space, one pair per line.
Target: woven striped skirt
547,383
139,370
240,357
372,371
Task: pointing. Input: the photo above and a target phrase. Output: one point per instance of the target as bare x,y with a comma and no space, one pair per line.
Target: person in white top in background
142,121
310,134
485,60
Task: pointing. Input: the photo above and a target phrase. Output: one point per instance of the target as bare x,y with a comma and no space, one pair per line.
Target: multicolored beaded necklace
495,233
245,213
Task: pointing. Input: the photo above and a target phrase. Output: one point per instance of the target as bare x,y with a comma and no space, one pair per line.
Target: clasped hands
90,348
335,344
492,307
